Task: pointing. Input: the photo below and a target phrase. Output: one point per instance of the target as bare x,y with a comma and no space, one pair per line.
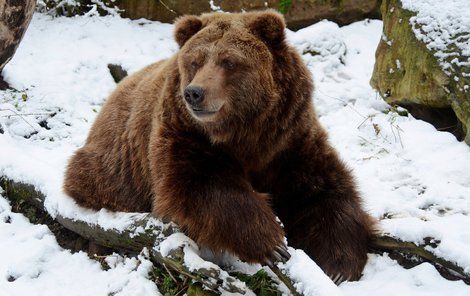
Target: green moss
397,110
173,284
20,202
284,6
197,290
260,283
405,71
164,281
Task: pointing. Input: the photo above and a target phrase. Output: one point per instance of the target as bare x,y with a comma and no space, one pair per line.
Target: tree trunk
15,16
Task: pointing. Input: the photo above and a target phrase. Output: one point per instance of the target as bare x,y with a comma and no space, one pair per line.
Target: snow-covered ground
414,178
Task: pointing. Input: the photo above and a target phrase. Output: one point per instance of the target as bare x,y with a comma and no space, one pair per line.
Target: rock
117,72
423,62
3,84
160,10
300,13
304,13
15,16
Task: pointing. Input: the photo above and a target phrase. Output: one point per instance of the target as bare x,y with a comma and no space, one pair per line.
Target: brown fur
224,177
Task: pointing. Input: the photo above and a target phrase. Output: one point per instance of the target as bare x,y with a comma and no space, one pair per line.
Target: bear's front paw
262,240
264,248
345,269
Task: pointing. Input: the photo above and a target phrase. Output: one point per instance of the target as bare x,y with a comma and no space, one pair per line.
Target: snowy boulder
423,61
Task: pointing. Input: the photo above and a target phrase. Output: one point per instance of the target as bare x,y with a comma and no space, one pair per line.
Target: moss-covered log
145,232
211,279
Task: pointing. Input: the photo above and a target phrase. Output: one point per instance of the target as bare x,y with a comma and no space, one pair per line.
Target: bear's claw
339,278
280,254
277,256
283,252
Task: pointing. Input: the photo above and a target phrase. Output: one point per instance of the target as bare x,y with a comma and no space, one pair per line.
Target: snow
303,270
385,275
414,178
214,7
324,40
444,26
34,264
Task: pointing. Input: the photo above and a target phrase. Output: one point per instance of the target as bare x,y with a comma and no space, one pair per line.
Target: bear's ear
269,26
185,28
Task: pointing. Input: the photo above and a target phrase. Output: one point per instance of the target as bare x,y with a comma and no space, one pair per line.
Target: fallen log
148,232
145,232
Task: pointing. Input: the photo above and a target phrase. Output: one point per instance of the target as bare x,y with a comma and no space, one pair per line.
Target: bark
15,16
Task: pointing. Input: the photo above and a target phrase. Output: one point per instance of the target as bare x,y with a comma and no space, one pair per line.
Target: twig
365,119
18,114
346,104
169,272
166,6
180,291
24,114
285,279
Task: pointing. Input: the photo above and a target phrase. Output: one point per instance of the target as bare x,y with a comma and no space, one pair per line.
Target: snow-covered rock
423,61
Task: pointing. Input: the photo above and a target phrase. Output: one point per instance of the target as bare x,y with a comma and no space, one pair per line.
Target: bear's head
229,65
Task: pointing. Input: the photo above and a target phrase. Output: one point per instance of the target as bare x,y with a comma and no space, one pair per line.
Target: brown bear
221,138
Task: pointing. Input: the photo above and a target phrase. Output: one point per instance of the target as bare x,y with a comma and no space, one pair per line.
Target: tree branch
448,269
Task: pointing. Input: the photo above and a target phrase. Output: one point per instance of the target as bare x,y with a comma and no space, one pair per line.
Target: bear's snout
194,95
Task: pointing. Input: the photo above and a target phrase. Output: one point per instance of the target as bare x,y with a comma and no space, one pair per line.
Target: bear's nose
194,95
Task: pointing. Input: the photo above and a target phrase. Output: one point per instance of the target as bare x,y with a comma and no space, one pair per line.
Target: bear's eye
194,65
227,64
